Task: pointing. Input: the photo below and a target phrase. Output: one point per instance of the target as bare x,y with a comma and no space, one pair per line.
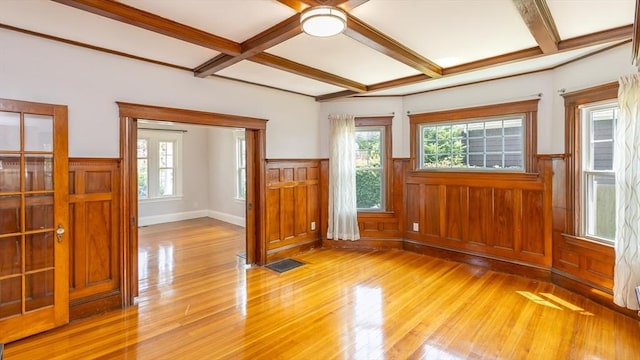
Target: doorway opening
130,116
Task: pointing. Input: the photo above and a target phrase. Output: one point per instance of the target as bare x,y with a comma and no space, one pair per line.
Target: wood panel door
34,253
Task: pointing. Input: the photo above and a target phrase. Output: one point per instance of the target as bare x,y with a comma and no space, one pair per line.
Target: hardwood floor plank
196,302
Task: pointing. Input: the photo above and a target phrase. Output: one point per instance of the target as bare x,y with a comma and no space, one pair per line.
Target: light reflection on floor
538,300
433,352
165,264
553,302
143,264
368,320
241,288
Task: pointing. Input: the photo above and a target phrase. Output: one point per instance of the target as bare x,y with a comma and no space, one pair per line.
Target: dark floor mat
284,265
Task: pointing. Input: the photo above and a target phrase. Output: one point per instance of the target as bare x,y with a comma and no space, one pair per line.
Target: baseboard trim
187,215
232,219
94,305
365,243
165,218
293,249
496,264
593,292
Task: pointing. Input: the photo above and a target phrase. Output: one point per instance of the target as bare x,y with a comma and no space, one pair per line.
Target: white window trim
154,137
239,135
585,172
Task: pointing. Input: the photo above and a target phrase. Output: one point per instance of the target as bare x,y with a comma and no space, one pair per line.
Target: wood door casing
34,281
255,201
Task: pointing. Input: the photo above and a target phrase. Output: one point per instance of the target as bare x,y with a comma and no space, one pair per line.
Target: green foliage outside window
368,189
143,170
369,168
444,146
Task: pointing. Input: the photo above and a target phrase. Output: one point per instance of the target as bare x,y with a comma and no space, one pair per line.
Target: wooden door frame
255,203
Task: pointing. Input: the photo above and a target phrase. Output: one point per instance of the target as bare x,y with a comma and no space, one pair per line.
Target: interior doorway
255,196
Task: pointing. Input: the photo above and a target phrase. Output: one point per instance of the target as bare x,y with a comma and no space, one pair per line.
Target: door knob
59,232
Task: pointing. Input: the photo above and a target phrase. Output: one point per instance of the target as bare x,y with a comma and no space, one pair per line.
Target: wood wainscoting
94,213
293,207
378,229
505,216
580,265
575,258
509,222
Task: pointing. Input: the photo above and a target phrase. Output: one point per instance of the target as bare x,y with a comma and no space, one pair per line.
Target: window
369,167
372,153
488,138
158,163
143,168
476,144
598,178
166,168
591,116
241,165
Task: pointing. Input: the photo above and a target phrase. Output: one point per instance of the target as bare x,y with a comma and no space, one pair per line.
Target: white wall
90,82
378,106
494,92
194,201
223,204
208,179
595,70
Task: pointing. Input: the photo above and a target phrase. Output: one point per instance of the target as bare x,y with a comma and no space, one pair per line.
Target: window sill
239,200
607,243
376,213
471,170
476,175
161,199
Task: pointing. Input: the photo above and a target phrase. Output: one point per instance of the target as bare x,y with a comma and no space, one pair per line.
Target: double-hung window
598,123
158,163
373,147
241,164
590,123
369,168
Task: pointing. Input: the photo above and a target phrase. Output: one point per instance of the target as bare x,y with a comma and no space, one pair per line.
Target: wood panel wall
509,222
293,206
574,258
94,213
378,229
387,225
503,216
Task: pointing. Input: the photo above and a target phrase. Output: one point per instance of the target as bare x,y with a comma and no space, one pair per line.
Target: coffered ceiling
390,47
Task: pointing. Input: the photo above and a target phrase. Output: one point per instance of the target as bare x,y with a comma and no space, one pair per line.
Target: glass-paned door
34,253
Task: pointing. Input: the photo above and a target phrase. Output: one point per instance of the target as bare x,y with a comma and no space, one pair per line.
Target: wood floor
197,303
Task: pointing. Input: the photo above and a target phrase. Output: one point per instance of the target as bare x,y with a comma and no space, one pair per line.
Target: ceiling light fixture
323,21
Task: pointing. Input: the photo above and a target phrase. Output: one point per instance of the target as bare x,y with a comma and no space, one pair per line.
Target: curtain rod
154,129
529,97
393,113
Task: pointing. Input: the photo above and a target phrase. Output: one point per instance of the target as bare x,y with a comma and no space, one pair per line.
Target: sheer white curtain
343,213
627,169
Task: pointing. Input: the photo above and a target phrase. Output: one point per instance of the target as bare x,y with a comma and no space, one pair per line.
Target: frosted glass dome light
323,21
